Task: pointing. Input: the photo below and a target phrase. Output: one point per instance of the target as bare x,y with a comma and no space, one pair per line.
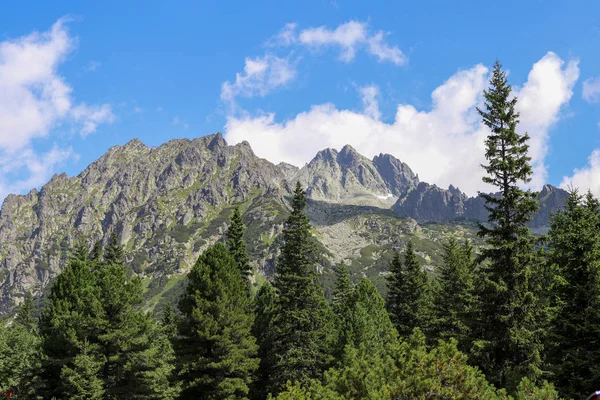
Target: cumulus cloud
369,99
261,76
587,178
444,145
351,36
35,101
548,88
591,90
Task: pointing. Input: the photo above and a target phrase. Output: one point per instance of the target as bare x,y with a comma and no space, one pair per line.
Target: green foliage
265,305
81,380
19,360
236,243
216,353
26,315
575,253
454,300
69,319
303,324
408,298
95,336
410,371
343,289
114,253
508,338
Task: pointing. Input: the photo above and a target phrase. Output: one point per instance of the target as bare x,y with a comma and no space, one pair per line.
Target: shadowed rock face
168,203
431,203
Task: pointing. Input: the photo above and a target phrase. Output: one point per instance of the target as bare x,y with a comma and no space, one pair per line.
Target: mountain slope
168,203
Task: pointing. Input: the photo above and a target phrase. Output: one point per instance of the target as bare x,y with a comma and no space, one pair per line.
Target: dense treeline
518,319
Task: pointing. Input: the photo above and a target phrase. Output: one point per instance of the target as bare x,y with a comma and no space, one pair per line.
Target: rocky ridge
168,203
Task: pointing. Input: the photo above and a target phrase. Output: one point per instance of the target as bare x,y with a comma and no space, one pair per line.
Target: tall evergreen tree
26,315
81,379
20,357
113,253
129,339
236,243
265,305
216,352
69,319
575,252
454,300
303,324
343,288
510,331
96,254
408,299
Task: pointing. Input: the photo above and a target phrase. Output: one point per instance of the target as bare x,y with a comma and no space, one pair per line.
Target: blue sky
295,77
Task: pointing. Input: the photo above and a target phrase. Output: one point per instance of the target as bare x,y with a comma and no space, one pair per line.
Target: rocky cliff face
168,203
434,204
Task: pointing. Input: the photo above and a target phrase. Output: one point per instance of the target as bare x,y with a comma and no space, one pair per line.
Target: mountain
168,203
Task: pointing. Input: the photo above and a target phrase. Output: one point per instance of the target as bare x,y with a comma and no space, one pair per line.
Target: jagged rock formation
168,203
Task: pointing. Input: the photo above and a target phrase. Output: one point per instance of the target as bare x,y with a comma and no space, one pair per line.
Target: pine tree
96,254
236,243
343,288
366,324
265,305
216,353
408,299
70,318
80,251
135,350
169,322
114,253
304,323
575,253
455,293
20,357
511,306
26,315
81,380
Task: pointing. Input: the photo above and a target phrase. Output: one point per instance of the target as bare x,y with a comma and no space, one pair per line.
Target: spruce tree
236,243
454,300
304,323
265,305
408,298
169,322
81,379
70,318
113,253
575,253
510,330
216,353
26,315
20,357
343,288
135,350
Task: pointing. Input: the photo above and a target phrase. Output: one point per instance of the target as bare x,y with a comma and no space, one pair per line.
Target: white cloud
444,145
587,178
261,76
350,36
286,37
91,116
369,99
35,100
549,86
38,168
138,110
383,52
591,90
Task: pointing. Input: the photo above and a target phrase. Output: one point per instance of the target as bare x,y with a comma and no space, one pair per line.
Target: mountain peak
348,155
